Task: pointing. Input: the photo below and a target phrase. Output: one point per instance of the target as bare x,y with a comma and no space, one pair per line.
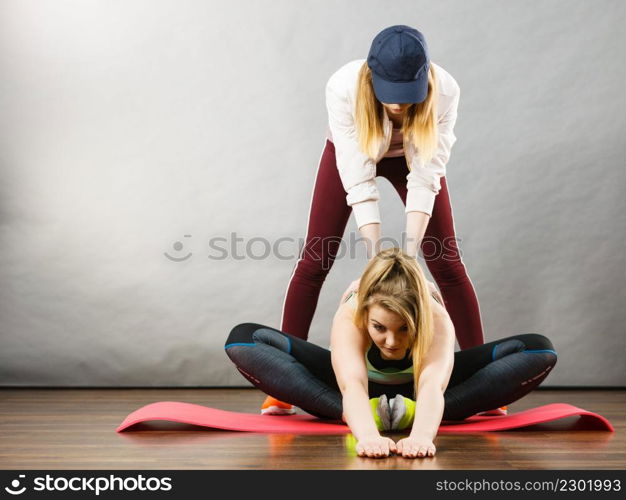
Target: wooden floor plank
75,429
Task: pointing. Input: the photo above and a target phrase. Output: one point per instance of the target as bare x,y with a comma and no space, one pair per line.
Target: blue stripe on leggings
254,343
238,343
541,350
288,343
493,351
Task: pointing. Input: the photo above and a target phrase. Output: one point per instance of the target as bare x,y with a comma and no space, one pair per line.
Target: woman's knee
242,334
542,345
531,343
537,342
251,334
448,271
314,267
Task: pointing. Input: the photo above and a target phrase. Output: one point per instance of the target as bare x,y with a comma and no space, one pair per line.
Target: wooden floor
75,429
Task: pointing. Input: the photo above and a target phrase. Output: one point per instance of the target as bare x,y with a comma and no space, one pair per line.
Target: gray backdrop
132,129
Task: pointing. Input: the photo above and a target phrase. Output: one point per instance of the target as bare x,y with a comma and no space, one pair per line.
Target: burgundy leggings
328,218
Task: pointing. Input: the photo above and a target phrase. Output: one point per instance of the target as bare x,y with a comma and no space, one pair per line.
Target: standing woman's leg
328,216
443,258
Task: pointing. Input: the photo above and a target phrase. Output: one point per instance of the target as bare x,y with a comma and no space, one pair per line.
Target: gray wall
126,125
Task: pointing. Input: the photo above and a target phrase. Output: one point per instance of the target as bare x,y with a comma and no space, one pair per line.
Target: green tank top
389,372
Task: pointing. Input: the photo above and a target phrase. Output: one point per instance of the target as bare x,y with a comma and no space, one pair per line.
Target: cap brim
400,92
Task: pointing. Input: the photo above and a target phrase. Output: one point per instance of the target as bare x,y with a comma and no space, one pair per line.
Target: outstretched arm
348,347
433,381
416,223
371,234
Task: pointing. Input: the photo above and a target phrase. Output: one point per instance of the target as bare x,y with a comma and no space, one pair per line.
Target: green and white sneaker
381,412
402,412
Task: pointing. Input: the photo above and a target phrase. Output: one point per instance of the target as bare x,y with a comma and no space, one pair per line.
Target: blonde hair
395,281
419,124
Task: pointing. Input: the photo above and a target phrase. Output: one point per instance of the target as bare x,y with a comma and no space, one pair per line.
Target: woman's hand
354,287
434,291
375,447
416,446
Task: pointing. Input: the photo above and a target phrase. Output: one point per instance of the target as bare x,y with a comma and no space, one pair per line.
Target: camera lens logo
15,484
178,246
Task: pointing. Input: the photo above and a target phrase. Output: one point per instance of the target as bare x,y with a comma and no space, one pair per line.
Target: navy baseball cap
399,62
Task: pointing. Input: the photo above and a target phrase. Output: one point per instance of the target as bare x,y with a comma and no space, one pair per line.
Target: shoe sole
277,410
384,412
398,410
493,413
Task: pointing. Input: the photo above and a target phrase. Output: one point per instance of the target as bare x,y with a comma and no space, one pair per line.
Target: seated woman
392,363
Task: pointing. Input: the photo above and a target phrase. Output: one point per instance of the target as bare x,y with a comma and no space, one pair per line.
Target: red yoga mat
204,416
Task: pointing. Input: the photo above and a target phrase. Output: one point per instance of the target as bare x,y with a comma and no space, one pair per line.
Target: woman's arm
371,233
416,223
357,170
424,181
435,375
433,381
348,347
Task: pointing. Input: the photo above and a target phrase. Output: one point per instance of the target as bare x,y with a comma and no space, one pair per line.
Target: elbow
443,385
343,386
435,382
350,386
434,387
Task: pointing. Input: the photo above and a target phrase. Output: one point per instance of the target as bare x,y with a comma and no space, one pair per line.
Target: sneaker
503,410
402,412
381,412
272,406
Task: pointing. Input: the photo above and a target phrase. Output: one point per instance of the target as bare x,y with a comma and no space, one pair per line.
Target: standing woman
391,115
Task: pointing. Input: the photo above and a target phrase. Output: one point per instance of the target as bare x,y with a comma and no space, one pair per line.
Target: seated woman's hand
435,291
375,447
354,287
416,446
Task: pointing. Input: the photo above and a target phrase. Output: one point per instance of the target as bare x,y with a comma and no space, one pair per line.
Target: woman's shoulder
346,76
347,306
447,84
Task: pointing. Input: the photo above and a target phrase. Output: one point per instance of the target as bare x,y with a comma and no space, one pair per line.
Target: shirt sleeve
424,180
356,170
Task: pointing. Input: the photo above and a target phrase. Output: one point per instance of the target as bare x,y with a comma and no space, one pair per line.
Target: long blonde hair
419,124
395,281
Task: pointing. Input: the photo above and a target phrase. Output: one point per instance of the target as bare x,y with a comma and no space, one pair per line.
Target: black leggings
295,371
